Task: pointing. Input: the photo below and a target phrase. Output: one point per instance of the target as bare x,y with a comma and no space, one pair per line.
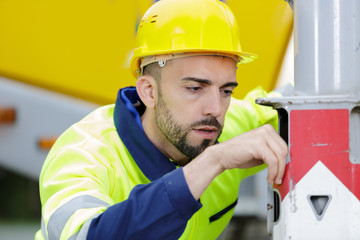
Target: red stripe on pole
320,135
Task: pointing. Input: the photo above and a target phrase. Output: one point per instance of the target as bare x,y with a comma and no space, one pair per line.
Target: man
163,163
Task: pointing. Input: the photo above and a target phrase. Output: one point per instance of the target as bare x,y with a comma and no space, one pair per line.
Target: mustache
208,122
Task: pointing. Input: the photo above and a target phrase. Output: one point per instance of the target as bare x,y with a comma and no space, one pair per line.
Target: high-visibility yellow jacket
104,179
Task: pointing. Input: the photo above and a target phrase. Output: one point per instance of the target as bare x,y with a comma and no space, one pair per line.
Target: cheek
224,110
184,115
180,107
226,106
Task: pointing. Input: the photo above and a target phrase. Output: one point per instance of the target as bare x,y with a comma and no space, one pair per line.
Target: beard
177,134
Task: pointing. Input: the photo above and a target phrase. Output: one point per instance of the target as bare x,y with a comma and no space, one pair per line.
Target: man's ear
146,87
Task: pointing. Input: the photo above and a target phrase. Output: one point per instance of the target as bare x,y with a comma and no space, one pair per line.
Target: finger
279,148
280,154
271,160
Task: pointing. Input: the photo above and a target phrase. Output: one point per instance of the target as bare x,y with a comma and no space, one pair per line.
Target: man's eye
194,89
227,92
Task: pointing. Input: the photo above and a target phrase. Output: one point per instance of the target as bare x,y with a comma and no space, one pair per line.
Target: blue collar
127,112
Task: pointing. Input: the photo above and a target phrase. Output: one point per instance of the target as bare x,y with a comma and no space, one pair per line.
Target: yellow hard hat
187,26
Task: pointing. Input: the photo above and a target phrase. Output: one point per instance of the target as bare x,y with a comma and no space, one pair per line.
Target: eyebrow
208,82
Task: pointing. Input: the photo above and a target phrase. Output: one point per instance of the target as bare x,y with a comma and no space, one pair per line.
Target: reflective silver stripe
223,234
82,234
60,217
43,230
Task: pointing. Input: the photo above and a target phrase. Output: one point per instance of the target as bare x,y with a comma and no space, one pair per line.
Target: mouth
207,132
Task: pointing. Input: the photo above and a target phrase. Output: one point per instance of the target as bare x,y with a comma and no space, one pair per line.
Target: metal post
327,47
320,194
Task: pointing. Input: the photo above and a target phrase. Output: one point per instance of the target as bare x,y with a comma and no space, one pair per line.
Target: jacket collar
127,112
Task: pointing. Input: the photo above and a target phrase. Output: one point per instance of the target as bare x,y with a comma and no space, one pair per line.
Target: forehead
208,67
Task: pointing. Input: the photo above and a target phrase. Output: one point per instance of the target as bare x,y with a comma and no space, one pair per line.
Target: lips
207,129
207,132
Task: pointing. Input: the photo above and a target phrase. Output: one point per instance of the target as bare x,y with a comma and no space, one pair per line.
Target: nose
212,104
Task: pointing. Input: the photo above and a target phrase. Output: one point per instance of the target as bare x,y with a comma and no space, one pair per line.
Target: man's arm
261,145
79,202
158,210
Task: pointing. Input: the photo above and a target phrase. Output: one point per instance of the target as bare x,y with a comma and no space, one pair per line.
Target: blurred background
59,60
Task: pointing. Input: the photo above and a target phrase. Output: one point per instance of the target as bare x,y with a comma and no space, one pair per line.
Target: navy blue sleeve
158,210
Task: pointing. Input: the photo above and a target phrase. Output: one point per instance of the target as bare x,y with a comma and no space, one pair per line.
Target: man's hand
261,145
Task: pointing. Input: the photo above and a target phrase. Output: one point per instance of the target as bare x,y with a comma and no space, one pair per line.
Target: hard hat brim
245,57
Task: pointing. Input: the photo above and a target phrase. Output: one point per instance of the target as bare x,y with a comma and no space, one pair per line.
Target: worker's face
194,95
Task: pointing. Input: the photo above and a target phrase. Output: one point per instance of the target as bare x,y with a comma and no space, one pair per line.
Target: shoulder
95,129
